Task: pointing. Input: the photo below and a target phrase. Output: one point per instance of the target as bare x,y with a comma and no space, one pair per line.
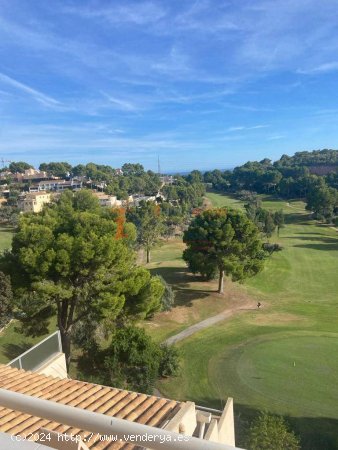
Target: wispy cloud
37,95
276,137
322,68
137,13
246,128
211,70
122,104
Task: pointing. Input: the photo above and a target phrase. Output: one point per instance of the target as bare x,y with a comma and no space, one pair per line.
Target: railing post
60,342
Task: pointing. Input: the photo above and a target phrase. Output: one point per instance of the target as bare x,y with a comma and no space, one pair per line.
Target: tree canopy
131,361
56,169
149,224
226,241
68,261
19,166
6,299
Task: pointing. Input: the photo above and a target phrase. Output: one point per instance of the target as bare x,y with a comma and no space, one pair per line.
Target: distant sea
202,171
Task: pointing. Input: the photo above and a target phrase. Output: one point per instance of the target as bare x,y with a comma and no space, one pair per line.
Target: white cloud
37,95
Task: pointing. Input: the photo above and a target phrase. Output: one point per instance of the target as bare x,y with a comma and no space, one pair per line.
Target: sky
198,83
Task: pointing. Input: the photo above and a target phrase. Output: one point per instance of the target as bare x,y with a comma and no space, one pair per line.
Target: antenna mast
158,165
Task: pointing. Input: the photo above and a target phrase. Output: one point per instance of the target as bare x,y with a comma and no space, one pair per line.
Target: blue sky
203,84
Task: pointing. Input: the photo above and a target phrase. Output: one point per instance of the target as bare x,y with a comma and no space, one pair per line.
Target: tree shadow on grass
185,297
178,276
5,229
325,247
12,351
313,233
180,279
297,219
320,238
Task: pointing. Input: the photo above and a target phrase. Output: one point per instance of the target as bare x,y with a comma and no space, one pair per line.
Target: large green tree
149,223
225,241
322,200
57,169
19,166
279,220
67,260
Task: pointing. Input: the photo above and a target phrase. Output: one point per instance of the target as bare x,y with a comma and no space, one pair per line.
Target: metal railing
38,354
123,430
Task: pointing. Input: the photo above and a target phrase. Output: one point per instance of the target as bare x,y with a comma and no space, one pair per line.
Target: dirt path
247,306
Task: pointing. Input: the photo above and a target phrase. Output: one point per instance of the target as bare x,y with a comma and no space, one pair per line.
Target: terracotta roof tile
127,405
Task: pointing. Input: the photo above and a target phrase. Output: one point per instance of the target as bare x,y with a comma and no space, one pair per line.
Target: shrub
270,248
132,360
170,361
271,432
168,297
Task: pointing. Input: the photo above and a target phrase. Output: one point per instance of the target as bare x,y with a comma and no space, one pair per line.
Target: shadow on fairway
180,279
297,219
7,230
331,246
179,276
323,239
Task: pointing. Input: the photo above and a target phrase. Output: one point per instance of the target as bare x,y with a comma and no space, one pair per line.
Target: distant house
56,185
143,198
34,202
167,180
30,175
5,175
106,200
158,198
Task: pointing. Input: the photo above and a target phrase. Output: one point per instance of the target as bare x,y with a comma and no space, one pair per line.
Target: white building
34,201
106,200
56,185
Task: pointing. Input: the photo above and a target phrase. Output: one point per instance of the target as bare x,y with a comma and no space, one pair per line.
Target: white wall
55,367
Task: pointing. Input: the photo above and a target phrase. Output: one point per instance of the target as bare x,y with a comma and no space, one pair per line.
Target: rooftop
132,406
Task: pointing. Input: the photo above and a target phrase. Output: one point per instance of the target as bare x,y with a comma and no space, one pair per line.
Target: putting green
298,373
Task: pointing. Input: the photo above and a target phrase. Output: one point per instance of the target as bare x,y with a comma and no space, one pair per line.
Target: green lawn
6,234
250,357
13,342
195,299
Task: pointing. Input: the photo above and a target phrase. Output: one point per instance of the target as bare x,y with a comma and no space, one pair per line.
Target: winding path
250,305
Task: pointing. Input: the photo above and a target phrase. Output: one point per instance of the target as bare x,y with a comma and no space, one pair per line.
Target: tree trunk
65,340
221,282
148,255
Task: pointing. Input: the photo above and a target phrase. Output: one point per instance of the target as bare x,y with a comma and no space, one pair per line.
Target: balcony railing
39,353
122,430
